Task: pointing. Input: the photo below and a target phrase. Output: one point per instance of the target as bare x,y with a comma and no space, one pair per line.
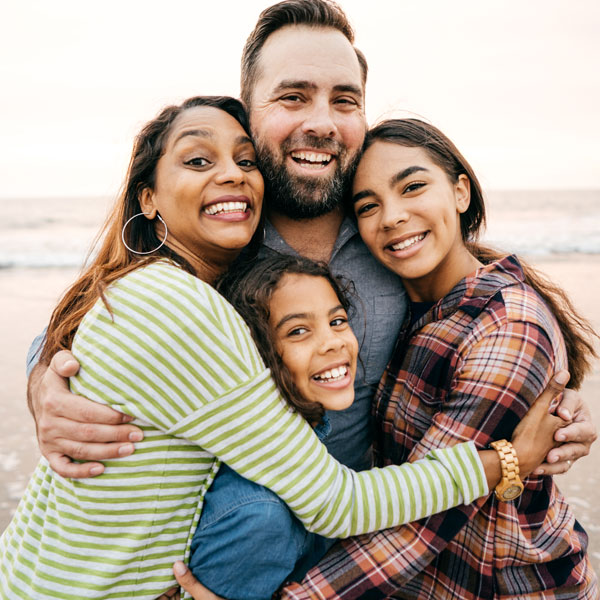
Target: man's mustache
312,141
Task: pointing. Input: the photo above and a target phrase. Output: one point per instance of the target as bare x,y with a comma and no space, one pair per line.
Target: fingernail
96,470
561,378
538,472
560,437
179,568
126,419
136,436
553,404
70,363
126,450
552,459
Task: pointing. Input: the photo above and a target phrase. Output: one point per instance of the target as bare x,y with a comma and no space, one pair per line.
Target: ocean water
57,232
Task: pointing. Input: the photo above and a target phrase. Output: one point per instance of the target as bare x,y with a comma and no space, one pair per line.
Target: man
303,83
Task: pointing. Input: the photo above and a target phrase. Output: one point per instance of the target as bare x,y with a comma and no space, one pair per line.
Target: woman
157,341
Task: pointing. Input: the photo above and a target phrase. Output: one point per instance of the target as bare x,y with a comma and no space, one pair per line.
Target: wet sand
28,296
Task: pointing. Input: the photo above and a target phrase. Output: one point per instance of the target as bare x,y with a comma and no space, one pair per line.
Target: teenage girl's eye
198,161
413,187
363,209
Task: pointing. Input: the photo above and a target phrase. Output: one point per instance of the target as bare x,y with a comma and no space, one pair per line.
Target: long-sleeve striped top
174,354
468,369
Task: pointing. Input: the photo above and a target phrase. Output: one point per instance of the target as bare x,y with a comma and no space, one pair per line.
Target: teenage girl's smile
312,335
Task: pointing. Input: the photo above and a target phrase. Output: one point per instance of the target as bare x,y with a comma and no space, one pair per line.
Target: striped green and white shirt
177,356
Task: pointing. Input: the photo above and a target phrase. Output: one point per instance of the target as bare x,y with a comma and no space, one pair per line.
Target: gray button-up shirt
379,309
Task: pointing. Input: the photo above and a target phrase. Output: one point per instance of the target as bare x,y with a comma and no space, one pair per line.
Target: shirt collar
274,241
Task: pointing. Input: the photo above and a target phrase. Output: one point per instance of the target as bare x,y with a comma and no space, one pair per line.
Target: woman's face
207,188
312,336
408,214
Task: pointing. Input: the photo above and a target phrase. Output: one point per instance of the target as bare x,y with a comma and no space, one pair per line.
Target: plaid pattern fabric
468,369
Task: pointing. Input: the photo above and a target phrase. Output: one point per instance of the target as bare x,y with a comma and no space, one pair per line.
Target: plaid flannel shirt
468,369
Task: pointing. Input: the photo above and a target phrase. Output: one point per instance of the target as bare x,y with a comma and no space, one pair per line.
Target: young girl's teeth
409,242
333,374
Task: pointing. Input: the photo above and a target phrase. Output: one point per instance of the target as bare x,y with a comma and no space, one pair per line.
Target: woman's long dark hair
249,287
414,133
113,260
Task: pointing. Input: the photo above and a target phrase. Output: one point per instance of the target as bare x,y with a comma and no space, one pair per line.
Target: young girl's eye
413,187
198,161
338,321
297,331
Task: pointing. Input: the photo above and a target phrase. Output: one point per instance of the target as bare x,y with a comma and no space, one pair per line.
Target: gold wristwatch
510,487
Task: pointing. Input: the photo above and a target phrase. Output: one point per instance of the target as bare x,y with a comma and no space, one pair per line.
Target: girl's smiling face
312,335
408,213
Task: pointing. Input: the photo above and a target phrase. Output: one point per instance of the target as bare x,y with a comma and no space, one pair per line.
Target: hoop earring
149,251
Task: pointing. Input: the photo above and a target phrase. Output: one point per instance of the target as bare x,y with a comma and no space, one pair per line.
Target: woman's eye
413,187
197,162
365,208
247,163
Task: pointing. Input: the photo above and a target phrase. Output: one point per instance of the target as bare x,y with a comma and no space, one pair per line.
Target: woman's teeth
225,207
332,375
408,243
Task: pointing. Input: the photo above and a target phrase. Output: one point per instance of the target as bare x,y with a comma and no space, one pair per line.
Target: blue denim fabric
248,542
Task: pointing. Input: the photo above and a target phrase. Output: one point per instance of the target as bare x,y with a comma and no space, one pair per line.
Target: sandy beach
28,296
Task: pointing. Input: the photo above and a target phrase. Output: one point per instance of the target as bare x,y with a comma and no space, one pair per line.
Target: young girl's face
408,213
312,336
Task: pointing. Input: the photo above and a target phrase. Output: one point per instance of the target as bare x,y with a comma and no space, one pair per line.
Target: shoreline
29,295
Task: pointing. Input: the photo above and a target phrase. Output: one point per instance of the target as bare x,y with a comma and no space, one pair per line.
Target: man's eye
292,98
365,208
346,101
413,187
197,162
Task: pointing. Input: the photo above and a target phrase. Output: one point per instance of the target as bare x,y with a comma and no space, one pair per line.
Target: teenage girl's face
408,213
314,339
208,188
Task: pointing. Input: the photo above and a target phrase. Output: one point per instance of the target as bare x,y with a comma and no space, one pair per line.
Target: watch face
512,492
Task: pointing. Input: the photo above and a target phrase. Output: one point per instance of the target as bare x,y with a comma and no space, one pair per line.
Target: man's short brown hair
313,13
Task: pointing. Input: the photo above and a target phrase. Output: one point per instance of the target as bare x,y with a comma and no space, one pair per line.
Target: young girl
248,542
485,334
156,340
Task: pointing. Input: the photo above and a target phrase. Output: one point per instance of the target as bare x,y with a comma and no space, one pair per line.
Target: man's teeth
332,375
226,207
408,243
313,158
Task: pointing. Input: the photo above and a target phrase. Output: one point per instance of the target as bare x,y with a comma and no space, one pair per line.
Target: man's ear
146,198
462,193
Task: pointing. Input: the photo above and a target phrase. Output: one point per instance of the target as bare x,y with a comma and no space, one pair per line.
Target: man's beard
305,197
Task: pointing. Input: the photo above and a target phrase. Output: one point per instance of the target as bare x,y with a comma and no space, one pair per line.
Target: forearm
33,385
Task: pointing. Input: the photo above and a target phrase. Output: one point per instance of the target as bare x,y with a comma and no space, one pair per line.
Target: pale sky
516,84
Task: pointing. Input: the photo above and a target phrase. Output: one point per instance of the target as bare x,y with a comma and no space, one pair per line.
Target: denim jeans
248,542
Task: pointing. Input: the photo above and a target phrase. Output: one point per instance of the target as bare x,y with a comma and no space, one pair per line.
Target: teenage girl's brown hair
112,260
414,133
249,287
